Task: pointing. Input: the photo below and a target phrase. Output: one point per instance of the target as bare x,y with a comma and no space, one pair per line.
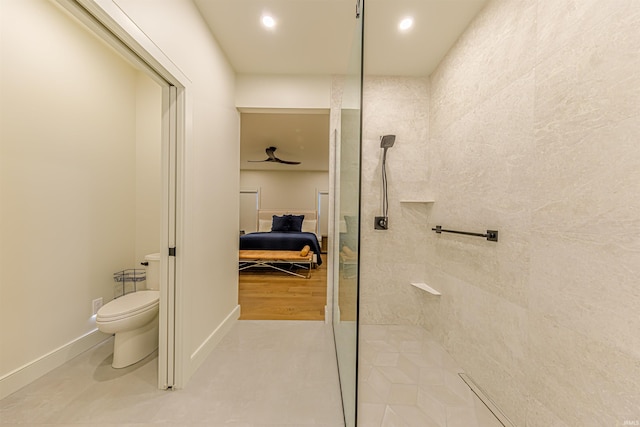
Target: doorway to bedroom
284,197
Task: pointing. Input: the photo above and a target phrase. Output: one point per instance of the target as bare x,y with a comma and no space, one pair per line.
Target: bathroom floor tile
414,382
263,373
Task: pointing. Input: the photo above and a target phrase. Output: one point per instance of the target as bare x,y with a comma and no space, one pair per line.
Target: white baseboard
203,351
24,375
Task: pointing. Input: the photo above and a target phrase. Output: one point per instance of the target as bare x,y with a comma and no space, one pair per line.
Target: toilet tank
153,271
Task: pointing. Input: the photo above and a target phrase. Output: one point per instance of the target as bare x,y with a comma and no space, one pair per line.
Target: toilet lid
128,305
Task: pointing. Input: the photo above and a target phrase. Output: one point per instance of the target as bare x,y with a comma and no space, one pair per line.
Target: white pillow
264,225
309,225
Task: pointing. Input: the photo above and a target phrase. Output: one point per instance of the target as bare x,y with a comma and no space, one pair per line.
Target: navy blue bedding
281,241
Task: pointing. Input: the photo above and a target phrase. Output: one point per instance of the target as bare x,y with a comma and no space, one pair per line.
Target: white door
166,342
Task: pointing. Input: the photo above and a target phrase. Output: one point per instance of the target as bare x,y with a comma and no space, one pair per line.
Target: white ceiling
314,37
437,26
310,37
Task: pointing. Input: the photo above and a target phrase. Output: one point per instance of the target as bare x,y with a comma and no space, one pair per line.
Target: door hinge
172,251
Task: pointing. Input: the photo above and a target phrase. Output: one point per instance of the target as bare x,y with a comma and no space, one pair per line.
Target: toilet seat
129,305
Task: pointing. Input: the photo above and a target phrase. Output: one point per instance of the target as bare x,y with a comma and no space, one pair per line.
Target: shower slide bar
491,235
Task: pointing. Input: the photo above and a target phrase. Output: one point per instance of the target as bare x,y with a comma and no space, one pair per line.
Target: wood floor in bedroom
273,295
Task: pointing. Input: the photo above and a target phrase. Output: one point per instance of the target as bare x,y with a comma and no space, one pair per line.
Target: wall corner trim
22,376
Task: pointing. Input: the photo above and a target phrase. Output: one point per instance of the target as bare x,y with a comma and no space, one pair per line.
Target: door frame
114,27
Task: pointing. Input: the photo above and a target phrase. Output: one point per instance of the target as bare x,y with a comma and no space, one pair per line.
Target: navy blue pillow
280,223
295,222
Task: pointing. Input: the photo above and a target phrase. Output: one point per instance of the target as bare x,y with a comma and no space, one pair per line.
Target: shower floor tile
407,379
263,373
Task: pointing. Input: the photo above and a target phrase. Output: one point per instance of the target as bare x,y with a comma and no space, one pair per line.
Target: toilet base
132,346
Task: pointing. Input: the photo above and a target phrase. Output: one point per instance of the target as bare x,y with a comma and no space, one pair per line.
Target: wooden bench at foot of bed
271,259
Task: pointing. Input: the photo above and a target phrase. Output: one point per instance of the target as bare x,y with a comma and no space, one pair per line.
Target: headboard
267,214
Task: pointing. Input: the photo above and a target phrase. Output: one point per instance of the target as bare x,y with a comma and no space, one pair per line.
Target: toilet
133,318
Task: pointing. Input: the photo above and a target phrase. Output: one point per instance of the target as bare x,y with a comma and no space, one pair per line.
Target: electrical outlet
96,304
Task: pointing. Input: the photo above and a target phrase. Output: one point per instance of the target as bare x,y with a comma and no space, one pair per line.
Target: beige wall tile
599,387
560,22
588,283
497,48
394,258
533,129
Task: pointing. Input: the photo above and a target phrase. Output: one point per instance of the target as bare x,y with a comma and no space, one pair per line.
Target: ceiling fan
271,157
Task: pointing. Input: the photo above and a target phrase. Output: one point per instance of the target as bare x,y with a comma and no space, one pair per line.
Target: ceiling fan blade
272,158
286,162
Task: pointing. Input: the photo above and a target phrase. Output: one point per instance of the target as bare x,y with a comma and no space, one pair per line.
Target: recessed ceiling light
268,21
405,24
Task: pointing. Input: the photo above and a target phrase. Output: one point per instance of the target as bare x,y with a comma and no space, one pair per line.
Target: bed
276,259
283,239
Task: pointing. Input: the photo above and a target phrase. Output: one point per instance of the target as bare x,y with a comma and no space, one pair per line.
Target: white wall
68,184
148,153
286,190
208,293
283,91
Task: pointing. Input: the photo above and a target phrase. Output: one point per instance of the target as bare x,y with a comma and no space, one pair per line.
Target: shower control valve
381,223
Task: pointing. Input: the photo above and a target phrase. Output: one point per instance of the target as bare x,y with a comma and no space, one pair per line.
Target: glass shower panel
345,294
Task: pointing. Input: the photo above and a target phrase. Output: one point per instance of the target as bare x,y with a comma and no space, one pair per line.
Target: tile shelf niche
417,201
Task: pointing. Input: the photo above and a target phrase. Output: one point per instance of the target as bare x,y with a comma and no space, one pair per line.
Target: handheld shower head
387,141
